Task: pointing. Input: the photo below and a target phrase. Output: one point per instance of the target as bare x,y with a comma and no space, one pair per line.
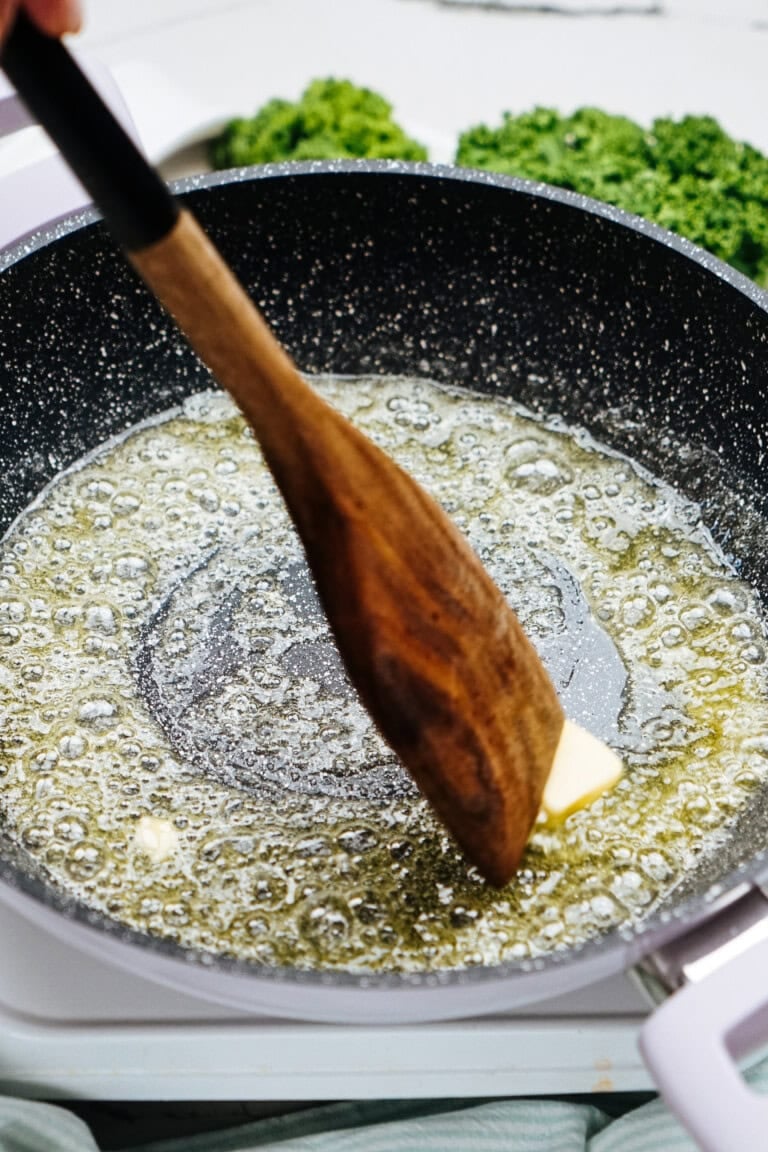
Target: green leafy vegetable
687,175
333,119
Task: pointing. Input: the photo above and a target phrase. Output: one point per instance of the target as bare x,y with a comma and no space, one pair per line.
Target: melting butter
582,770
161,652
157,839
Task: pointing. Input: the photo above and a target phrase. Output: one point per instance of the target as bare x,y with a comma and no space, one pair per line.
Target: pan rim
615,949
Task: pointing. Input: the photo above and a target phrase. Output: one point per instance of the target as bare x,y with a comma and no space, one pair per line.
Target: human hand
56,17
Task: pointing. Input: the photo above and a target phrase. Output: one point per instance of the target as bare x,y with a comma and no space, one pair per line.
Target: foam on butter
165,669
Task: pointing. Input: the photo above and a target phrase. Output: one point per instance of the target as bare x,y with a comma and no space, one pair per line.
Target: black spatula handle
126,189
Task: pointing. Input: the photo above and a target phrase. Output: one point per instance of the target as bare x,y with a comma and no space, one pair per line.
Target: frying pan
481,281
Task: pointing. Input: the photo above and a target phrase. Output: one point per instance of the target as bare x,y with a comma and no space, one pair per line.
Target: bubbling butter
164,665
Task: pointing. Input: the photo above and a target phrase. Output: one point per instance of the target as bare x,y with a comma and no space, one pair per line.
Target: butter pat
155,838
583,768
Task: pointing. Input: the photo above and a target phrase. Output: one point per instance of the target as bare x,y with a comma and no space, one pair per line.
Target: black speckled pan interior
481,281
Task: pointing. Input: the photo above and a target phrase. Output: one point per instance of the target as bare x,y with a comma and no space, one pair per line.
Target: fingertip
55,17
75,16
6,13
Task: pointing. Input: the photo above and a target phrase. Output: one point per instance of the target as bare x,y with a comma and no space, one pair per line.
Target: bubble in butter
181,749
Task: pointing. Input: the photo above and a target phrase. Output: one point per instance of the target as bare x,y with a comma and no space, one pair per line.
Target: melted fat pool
162,655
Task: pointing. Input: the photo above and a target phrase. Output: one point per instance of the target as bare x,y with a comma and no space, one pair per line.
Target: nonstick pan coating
481,281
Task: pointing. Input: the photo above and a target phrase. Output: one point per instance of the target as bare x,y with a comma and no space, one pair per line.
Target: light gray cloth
536,1125
26,1126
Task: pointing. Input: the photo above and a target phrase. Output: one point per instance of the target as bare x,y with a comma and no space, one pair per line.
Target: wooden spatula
437,656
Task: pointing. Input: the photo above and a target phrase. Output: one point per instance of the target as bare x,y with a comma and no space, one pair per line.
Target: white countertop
443,66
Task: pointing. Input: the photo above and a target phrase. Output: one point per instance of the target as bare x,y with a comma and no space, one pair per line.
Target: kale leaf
333,119
687,175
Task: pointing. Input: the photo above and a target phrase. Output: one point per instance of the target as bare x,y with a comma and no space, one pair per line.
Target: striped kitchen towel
537,1125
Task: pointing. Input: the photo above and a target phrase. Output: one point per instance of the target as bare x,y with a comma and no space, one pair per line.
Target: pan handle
694,1043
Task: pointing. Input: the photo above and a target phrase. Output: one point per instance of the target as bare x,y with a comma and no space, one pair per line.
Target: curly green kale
333,119
687,175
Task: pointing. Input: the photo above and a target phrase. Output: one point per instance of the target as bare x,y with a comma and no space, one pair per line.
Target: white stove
73,1027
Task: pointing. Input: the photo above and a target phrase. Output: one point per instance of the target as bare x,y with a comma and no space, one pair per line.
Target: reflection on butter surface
164,664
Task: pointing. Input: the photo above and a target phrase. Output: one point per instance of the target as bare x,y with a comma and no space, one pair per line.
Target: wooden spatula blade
437,656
